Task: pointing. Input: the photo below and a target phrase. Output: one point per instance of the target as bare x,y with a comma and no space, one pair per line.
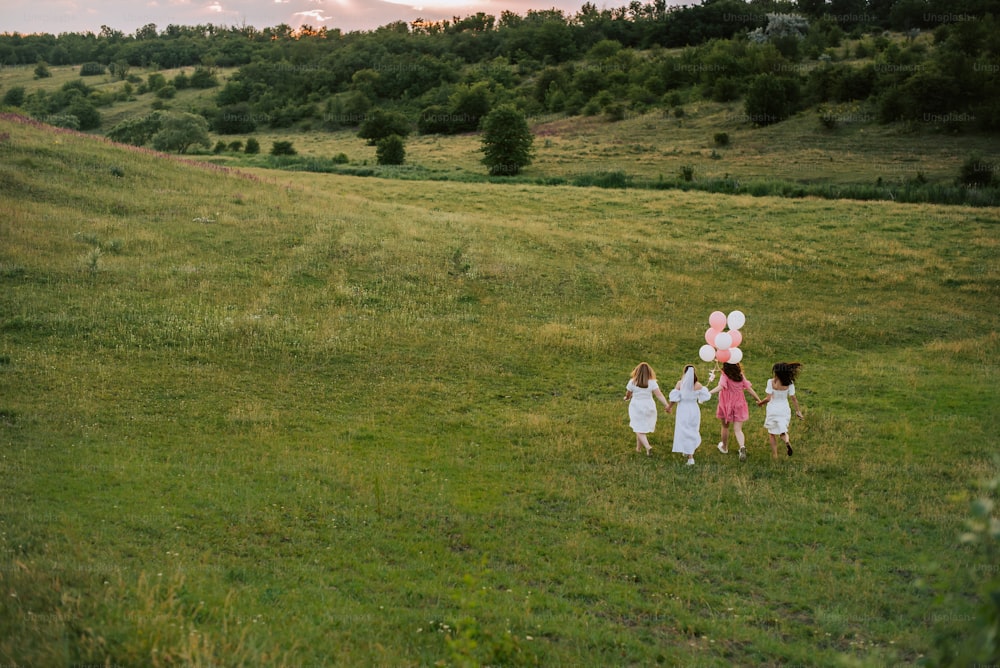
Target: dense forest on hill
934,61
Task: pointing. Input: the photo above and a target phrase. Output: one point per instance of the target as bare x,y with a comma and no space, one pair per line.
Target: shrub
166,92
282,148
156,81
382,124
977,172
63,121
236,146
253,147
390,150
42,71
434,120
203,78
14,97
721,139
235,119
136,131
91,69
219,147
771,99
615,112
687,173
85,111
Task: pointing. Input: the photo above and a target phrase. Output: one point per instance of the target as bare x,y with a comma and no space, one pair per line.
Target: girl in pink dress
733,409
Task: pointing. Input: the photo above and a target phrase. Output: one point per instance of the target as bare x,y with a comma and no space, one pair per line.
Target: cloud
215,7
316,14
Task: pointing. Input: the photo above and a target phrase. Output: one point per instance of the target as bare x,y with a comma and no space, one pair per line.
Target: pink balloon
710,336
722,355
717,320
736,336
723,341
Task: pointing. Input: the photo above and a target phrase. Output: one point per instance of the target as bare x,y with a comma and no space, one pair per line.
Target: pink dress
732,403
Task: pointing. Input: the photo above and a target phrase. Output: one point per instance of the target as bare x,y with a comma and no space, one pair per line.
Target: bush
136,131
615,112
382,124
63,121
236,146
14,97
390,150
771,99
85,111
282,148
166,92
220,146
253,147
721,139
976,172
156,81
235,119
687,173
203,78
42,71
91,70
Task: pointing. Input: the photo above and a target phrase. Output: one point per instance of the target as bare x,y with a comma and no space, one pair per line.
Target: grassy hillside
302,419
643,148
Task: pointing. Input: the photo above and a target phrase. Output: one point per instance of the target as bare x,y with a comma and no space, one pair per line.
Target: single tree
506,141
180,131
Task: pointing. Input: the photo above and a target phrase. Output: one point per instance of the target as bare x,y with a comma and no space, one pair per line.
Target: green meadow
295,419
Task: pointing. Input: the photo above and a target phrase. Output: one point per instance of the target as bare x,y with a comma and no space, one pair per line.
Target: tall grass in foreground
315,419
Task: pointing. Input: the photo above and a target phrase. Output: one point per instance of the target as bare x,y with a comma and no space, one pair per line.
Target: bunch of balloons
723,346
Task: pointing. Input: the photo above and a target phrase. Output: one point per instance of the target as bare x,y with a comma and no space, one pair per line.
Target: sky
58,16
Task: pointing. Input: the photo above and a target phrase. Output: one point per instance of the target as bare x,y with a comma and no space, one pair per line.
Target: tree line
779,56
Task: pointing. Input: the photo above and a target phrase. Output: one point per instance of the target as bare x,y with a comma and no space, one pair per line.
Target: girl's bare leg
774,445
738,432
724,443
644,442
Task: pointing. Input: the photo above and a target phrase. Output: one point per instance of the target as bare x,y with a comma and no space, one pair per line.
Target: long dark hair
786,372
733,371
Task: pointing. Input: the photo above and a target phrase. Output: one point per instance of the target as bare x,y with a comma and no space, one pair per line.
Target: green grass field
271,418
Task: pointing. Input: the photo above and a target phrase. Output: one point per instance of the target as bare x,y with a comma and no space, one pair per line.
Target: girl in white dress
687,394
778,392
639,392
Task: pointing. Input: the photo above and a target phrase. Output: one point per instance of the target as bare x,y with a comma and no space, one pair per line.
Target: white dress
642,407
687,426
779,413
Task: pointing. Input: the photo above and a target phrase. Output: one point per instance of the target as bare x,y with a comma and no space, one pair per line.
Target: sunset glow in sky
58,16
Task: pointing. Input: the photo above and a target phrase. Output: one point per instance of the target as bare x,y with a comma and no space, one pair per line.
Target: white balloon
723,340
735,355
706,353
736,320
